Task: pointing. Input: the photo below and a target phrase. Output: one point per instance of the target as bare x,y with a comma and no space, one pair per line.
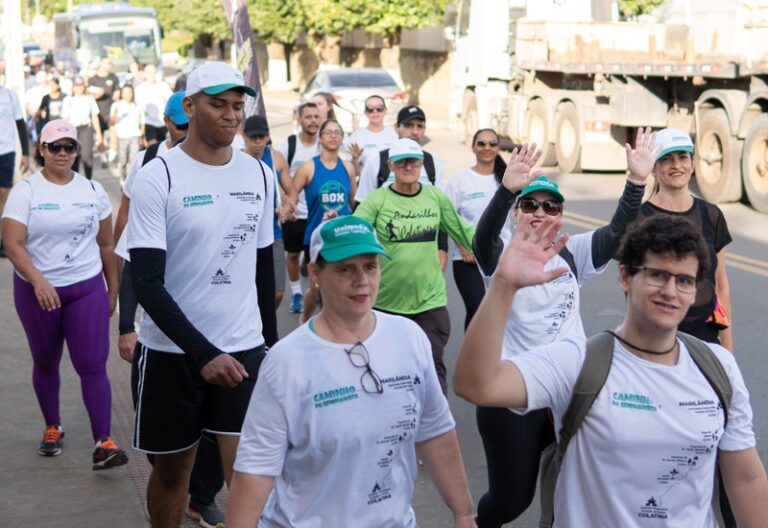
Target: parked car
350,87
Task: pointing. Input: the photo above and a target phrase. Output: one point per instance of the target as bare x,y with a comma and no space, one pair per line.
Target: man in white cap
407,216
199,213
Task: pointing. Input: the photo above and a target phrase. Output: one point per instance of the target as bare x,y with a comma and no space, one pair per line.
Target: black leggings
470,283
513,445
85,155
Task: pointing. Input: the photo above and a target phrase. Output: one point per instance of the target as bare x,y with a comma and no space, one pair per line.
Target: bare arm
351,172
723,290
284,176
122,216
747,487
247,496
109,261
14,239
442,457
480,375
304,175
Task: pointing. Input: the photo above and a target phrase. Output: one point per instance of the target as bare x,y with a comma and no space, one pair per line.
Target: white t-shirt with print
129,118
470,193
152,98
10,112
370,172
549,312
62,224
79,110
210,225
341,456
645,454
303,153
371,142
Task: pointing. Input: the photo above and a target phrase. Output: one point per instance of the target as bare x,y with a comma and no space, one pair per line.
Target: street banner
245,54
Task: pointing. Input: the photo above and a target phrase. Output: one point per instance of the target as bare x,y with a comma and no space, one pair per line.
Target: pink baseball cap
58,129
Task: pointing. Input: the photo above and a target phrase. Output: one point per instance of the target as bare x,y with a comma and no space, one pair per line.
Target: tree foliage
633,8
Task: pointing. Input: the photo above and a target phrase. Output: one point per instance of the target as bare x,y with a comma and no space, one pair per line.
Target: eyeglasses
332,133
55,148
412,162
658,278
375,109
483,144
531,205
370,381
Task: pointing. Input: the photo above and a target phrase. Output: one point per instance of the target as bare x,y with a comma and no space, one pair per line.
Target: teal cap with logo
542,183
672,140
344,237
214,78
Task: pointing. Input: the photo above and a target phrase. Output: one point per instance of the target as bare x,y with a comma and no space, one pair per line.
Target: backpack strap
150,153
711,368
567,256
383,174
291,148
429,167
589,383
167,172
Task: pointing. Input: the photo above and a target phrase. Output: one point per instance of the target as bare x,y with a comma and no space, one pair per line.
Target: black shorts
293,235
7,166
155,133
174,405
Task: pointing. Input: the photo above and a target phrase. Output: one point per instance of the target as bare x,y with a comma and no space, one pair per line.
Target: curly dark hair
663,234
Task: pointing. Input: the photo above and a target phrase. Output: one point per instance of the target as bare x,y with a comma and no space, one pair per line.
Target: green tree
391,17
633,8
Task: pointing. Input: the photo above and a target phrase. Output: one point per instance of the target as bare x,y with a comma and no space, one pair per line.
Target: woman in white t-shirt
374,137
128,121
342,405
57,227
80,109
471,191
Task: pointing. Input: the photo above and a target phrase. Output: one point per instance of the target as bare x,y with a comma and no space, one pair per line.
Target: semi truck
568,75
115,30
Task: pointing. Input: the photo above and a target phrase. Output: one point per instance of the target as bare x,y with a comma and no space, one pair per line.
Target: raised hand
355,150
641,159
520,171
522,263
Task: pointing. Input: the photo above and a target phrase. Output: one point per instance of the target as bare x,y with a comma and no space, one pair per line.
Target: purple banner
237,15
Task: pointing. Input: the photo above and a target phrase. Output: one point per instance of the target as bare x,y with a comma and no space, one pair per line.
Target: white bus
118,31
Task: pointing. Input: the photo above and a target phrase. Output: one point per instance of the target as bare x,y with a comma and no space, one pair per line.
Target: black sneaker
209,516
107,455
51,444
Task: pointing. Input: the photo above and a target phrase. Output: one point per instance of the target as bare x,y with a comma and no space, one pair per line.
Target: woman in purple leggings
57,228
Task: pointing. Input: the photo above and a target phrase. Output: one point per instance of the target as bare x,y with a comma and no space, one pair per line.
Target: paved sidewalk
63,491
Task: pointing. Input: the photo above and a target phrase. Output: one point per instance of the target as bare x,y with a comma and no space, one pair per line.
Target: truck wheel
568,132
754,164
717,159
469,113
537,131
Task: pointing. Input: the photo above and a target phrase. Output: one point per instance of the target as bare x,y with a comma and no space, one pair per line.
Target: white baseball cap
405,148
214,78
672,140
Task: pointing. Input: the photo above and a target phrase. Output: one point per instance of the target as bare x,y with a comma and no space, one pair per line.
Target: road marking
758,267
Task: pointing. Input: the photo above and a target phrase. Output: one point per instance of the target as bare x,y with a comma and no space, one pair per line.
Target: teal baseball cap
672,140
174,109
543,184
344,237
213,78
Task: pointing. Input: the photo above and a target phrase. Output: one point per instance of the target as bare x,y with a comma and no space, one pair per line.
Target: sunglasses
55,148
531,205
483,144
374,109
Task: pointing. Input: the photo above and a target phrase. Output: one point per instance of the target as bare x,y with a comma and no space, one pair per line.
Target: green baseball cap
344,237
543,184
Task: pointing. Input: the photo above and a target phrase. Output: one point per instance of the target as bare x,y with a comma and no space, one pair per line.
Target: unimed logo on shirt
197,200
334,396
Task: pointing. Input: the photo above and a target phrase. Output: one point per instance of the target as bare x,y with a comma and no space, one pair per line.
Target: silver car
350,87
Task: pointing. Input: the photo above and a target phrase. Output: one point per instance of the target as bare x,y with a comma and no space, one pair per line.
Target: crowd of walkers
646,424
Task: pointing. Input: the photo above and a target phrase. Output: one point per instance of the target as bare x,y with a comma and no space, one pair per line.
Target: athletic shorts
174,405
278,254
7,167
293,235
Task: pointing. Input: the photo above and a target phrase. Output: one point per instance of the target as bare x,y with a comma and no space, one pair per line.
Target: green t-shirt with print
412,282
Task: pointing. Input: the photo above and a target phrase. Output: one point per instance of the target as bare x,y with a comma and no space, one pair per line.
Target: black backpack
429,167
594,372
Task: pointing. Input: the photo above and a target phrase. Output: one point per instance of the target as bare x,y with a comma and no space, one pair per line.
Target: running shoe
297,305
107,455
209,516
51,444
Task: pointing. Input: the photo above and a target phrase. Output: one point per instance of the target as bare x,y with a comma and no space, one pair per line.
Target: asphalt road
590,201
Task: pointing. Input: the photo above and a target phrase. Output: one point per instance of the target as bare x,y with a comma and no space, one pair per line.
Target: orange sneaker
107,455
51,444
